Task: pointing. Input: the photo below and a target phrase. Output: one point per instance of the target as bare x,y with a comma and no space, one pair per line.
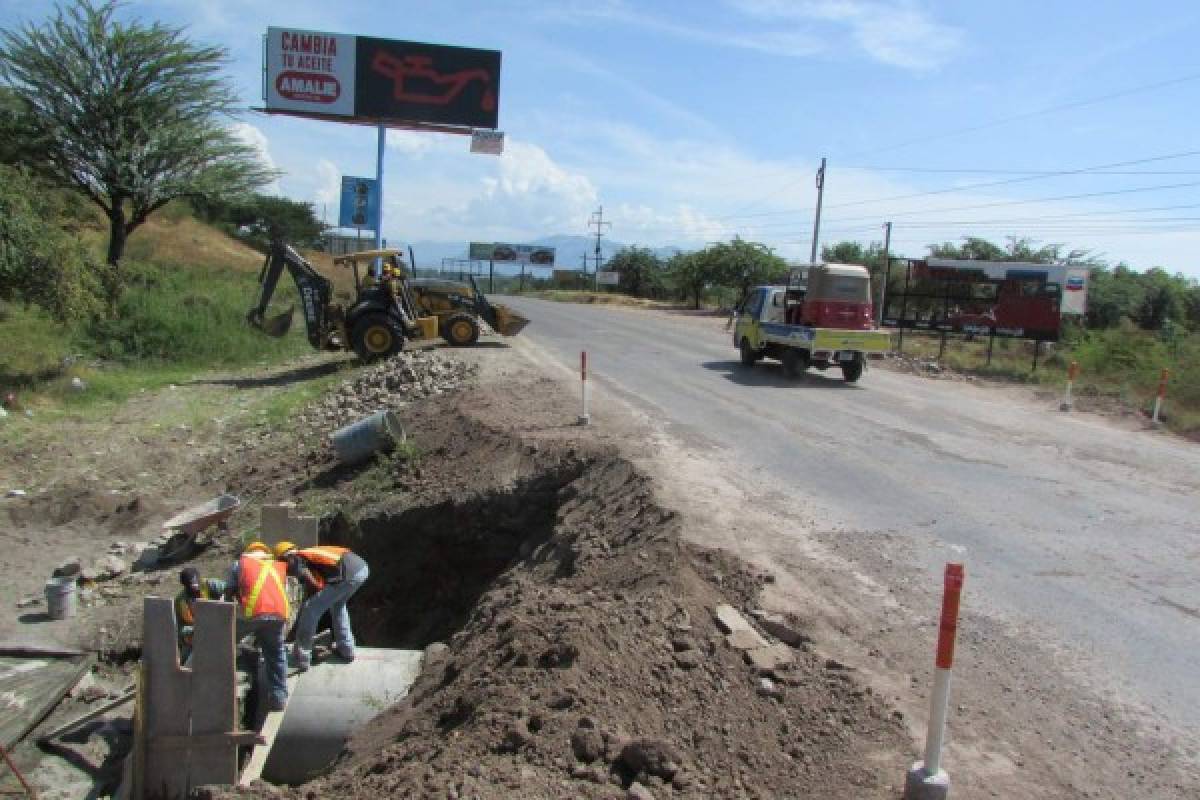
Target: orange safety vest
323,556
261,587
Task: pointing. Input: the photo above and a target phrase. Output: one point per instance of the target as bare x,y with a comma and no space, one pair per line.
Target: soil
572,649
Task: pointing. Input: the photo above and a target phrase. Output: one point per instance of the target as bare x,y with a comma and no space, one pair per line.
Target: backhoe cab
388,305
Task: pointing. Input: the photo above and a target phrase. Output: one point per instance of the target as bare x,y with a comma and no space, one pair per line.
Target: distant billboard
360,203
608,278
380,80
992,298
507,253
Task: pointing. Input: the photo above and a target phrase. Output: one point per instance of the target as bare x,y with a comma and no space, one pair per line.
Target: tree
741,265
640,270
253,218
691,274
129,114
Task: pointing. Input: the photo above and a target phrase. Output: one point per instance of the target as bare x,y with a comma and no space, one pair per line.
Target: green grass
1122,364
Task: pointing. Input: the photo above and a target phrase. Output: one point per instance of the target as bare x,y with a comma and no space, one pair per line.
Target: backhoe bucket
508,322
276,326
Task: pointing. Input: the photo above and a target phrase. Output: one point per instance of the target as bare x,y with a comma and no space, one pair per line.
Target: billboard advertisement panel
608,278
508,253
381,80
310,71
359,206
991,298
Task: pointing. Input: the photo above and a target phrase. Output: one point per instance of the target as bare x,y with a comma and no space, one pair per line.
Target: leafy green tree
742,265
252,218
131,115
640,269
691,275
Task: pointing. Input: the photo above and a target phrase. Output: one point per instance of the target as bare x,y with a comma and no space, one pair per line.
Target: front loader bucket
508,322
276,326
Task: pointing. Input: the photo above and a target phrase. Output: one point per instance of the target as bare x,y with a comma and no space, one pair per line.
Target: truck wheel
376,336
794,362
460,330
852,370
749,356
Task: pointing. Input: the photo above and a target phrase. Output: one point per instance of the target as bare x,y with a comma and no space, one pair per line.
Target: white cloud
329,182
253,137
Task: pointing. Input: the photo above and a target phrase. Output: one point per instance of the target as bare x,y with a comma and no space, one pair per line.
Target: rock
15,493
652,756
746,639
68,568
516,736
29,602
587,744
768,688
769,658
688,659
104,569
778,626
639,792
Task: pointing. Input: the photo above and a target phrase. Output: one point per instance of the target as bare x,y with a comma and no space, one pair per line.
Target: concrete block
303,531
920,785
770,658
275,522
214,694
746,639
729,620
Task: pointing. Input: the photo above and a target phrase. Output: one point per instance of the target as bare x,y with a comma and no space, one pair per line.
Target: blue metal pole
379,190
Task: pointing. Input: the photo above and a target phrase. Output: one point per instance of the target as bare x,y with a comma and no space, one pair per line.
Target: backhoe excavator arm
315,293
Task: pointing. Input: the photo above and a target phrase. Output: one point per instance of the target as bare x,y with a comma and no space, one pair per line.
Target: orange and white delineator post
927,780
1162,394
1068,398
584,418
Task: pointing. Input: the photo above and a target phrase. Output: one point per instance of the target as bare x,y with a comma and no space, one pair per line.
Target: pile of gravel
392,384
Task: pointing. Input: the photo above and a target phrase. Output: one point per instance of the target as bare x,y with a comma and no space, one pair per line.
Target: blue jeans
269,636
332,599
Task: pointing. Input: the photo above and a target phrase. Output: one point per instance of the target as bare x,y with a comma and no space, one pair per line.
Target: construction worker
329,575
263,609
193,589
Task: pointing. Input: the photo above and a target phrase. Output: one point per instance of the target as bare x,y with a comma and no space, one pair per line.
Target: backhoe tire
460,330
377,336
794,362
852,370
749,355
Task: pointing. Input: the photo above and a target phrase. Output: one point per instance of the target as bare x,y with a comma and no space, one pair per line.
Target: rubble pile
392,384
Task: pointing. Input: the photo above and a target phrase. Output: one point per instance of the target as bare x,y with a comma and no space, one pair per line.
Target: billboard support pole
382,136
817,219
887,269
991,341
491,276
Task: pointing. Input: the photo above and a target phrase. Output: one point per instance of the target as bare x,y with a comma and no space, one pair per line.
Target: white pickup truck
823,321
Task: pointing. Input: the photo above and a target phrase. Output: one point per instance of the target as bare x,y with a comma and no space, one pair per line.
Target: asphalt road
1086,530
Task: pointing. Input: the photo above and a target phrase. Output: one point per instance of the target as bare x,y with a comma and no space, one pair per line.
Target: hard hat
256,547
283,548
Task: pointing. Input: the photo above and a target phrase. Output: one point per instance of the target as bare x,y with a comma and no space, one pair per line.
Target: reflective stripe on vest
183,605
324,556
261,587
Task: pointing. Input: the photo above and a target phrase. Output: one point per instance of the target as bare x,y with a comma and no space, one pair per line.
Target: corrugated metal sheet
30,687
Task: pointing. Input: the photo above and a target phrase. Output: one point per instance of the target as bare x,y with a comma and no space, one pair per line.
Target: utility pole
817,221
887,268
583,280
597,221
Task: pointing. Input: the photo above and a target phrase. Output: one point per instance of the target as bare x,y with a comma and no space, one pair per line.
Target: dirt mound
572,651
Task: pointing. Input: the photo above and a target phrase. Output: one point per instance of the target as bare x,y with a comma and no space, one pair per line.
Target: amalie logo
308,87
1075,283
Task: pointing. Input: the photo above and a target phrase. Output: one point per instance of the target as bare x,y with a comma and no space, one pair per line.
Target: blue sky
692,122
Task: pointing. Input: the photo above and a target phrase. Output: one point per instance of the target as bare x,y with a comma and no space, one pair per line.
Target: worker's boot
300,659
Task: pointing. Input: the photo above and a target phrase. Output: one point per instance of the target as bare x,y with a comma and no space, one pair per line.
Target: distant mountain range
568,251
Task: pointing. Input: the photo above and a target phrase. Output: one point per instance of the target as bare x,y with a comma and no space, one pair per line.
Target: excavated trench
431,564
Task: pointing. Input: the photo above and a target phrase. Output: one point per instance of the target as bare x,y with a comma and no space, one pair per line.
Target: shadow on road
770,374
285,378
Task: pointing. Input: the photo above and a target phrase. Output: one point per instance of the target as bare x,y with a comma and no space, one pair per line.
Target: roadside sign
385,81
487,142
507,253
608,278
360,203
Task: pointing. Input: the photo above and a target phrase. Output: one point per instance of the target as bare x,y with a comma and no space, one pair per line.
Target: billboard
990,298
507,253
380,80
360,203
608,278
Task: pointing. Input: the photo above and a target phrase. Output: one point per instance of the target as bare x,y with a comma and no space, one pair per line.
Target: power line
1007,181
984,171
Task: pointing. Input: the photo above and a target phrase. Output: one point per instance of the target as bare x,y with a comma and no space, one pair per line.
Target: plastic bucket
61,599
360,440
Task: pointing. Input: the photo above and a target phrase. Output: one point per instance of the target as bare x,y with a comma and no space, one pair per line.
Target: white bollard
584,418
926,780
1162,394
1068,400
